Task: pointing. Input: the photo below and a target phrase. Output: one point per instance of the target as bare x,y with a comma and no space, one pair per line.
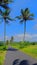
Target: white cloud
28,37
19,37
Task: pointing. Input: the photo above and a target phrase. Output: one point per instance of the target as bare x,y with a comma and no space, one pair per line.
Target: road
16,57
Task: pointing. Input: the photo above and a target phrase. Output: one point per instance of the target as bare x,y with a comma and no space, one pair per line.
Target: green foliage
1,43
22,44
7,42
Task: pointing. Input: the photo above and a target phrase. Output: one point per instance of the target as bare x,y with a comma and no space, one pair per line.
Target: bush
1,43
33,43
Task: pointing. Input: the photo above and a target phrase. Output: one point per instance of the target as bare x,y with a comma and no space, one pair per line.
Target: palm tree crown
25,15
4,3
5,15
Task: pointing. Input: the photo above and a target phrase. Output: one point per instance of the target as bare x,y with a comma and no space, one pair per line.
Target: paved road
15,57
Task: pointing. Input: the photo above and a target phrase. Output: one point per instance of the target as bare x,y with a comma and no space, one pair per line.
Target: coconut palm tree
4,3
5,16
25,15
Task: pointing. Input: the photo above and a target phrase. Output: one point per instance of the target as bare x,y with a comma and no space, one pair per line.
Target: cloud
28,37
2,38
19,37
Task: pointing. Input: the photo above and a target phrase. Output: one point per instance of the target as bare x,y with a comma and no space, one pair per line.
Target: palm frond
4,6
21,21
19,17
22,12
26,9
26,12
5,1
29,18
7,12
10,19
31,14
0,11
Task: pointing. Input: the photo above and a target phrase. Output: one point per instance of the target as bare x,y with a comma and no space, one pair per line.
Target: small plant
4,48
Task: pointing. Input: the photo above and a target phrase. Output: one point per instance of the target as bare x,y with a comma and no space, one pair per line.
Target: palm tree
25,15
4,3
5,16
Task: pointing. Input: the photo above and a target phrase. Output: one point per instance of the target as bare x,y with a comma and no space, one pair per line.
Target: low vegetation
2,52
26,47
29,48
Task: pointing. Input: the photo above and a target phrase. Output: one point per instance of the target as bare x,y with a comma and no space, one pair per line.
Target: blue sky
14,27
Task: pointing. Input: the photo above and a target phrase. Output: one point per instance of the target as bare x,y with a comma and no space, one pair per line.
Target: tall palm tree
25,15
5,16
4,3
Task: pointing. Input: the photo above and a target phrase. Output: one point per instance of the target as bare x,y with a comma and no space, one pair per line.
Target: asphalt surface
16,57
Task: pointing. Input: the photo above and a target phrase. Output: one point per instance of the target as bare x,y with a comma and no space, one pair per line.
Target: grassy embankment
27,47
2,53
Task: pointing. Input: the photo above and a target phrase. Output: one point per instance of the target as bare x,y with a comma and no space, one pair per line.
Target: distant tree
12,38
7,42
25,15
6,17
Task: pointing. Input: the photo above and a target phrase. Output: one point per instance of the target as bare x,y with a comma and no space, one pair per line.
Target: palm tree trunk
24,31
4,31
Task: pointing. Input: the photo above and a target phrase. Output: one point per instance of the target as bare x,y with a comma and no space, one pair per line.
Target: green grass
27,47
2,53
31,50
2,57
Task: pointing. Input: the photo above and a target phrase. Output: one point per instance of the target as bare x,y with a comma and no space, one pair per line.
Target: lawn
31,50
2,57
2,53
28,48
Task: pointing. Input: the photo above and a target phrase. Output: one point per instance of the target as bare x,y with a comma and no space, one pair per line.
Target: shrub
1,43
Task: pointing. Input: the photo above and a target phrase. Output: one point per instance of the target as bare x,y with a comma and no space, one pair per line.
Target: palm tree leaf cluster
25,15
5,15
4,3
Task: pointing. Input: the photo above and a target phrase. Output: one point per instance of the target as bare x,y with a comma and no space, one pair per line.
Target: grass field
2,53
28,48
2,57
25,47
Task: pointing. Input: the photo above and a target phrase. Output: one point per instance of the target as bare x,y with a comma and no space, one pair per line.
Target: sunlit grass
2,57
2,53
30,50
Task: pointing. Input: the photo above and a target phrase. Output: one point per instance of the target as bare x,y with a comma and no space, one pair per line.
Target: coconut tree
25,15
4,3
6,17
